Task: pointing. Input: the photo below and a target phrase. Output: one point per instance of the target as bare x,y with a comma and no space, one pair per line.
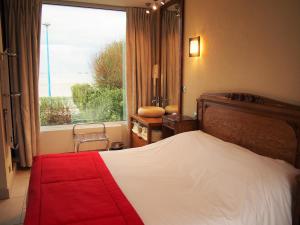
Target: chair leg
107,145
78,145
75,147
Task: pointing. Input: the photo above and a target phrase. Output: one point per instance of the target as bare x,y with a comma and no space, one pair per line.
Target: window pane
82,65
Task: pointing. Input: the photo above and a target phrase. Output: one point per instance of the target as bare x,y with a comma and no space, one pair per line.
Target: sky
76,35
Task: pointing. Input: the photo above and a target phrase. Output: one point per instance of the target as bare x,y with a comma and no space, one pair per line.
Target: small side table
176,124
150,123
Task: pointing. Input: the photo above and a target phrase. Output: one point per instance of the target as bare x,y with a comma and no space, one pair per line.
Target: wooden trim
255,111
148,122
84,5
180,107
296,203
4,193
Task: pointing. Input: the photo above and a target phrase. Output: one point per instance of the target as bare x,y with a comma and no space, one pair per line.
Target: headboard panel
264,126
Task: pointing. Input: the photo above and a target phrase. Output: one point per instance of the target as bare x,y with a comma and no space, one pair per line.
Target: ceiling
124,3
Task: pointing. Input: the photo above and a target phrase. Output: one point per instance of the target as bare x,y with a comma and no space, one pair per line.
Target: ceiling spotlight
178,12
162,2
154,5
148,4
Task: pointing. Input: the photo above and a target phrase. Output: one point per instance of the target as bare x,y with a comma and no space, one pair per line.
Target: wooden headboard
266,127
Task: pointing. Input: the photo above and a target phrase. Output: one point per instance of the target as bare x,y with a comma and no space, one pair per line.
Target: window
82,65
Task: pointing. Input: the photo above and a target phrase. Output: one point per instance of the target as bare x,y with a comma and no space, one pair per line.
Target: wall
59,139
246,46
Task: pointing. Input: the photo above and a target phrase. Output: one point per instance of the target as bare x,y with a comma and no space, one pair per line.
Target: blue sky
76,35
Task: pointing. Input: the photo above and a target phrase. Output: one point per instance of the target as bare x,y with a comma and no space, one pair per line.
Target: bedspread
76,189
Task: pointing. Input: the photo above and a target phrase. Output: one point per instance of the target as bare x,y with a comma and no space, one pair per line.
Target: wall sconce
194,47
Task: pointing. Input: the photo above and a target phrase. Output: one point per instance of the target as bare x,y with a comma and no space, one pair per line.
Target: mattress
196,179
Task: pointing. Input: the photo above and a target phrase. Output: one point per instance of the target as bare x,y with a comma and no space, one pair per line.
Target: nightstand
175,124
151,124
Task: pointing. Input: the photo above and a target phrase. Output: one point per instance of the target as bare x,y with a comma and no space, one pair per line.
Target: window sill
70,126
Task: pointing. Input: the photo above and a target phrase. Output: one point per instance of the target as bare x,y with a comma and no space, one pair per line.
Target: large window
82,65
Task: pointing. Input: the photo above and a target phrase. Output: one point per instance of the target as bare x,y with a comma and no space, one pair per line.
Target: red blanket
76,189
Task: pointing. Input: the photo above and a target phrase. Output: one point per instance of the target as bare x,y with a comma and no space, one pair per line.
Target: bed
239,168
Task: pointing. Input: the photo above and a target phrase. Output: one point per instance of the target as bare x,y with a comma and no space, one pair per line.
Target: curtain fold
170,60
23,24
138,59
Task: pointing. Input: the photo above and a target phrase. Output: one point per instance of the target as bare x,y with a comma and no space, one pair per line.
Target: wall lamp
194,50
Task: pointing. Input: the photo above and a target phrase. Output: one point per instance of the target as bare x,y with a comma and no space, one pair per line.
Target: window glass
82,65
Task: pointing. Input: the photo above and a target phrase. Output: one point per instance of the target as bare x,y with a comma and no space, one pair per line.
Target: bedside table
152,125
175,124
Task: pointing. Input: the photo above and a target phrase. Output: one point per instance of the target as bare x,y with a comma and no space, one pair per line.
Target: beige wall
59,139
247,46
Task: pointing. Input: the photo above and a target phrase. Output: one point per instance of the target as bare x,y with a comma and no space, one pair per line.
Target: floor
12,211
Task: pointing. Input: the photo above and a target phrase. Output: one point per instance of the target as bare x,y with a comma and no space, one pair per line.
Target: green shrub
105,104
80,92
55,111
97,103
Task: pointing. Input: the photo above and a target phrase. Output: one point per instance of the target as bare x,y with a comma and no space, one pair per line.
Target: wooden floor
12,211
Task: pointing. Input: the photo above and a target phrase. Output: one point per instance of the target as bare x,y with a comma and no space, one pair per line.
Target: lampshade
194,50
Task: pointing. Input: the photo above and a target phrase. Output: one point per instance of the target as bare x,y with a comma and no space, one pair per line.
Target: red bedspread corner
76,189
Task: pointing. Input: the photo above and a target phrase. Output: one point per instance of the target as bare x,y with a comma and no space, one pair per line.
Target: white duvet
196,179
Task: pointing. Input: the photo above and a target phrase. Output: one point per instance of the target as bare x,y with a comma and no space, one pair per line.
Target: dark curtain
23,23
